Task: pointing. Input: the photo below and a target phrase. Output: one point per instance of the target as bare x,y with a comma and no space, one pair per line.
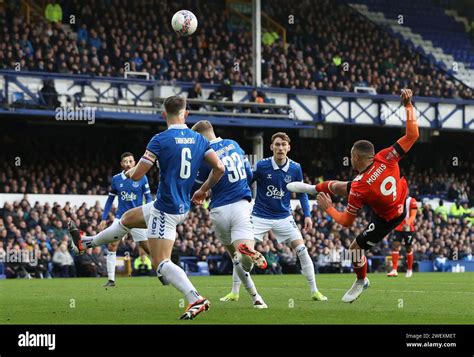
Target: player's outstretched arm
325,203
334,187
412,132
217,171
137,172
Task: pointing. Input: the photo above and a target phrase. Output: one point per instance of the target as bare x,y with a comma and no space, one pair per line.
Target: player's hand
406,96
199,196
102,225
406,227
324,201
308,224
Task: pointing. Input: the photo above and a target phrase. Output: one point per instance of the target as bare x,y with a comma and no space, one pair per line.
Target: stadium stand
40,229
117,42
429,26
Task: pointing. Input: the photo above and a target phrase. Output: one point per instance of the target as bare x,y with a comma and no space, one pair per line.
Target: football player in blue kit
272,209
230,207
178,152
130,194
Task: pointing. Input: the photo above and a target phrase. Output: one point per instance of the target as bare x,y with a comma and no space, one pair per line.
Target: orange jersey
380,186
410,204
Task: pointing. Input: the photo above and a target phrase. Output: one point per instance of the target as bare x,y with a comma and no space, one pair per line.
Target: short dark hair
283,136
202,126
364,147
125,154
174,104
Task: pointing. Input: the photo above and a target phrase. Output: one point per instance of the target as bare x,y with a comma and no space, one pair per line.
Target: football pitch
426,298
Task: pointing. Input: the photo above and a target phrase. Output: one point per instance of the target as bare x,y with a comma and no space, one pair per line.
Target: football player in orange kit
378,185
404,231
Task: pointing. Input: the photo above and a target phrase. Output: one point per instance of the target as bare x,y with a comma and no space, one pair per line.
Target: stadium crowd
330,47
40,230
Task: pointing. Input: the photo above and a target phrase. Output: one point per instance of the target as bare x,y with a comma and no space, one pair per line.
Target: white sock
307,266
111,259
246,279
178,278
302,187
113,233
235,282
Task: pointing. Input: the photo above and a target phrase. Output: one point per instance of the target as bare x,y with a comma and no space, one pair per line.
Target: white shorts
162,225
146,209
139,234
232,222
285,229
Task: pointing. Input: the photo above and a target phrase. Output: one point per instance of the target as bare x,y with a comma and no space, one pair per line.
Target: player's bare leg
133,218
243,264
334,187
409,251
161,254
307,268
395,257
359,263
111,262
146,247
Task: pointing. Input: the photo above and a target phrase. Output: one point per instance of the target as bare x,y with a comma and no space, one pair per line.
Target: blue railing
308,107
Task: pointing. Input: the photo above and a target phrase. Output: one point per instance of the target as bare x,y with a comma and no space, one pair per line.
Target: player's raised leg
133,218
334,187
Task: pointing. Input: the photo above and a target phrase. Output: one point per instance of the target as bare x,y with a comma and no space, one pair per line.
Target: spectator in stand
456,210
53,12
442,210
100,261
313,58
195,93
142,265
44,259
274,266
63,263
85,264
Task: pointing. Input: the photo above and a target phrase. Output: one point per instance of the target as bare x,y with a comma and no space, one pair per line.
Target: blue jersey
233,186
178,152
130,194
273,199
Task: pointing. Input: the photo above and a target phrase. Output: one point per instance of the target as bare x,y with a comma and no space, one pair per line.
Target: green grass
427,298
